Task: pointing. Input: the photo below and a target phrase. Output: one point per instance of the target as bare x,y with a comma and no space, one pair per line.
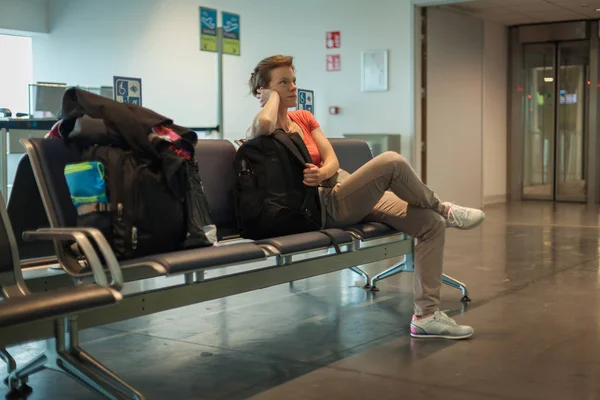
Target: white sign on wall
375,71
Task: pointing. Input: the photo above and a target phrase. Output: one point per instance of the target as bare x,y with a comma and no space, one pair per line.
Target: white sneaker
439,325
462,217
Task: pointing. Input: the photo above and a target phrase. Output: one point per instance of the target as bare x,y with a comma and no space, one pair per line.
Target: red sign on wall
333,40
334,62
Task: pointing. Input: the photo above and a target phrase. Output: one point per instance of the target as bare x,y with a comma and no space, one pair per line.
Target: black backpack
270,198
145,216
156,201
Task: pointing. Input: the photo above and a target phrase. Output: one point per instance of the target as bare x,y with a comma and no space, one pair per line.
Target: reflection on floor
573,188
532,269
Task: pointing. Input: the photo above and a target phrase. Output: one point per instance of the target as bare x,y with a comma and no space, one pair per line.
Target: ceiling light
548,79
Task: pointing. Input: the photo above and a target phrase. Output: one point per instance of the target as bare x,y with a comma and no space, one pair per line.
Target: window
16,72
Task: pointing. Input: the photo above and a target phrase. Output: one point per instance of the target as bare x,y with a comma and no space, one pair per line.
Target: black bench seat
373,230
56,303
309,241
202,258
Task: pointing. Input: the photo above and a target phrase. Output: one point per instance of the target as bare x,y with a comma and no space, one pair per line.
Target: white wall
466,108
158,40
454,106
495,100
17,16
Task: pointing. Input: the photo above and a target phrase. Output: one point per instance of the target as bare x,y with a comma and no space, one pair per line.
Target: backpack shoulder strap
292,146
335,243
299,143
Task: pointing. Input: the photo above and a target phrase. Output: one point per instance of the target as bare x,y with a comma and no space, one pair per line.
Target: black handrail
32,124
209,128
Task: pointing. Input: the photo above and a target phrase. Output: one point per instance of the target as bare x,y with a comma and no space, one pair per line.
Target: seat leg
99,370
406,265
90,379
15,392
47,359
11,366
37,364
361,272
355,269
448,280
63,354
95,366
188,278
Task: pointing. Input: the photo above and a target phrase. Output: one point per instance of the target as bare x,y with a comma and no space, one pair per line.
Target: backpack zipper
134,204
134,238
121,184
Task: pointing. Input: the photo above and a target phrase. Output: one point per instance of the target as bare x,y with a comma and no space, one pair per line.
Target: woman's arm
265,121
330,162
314,175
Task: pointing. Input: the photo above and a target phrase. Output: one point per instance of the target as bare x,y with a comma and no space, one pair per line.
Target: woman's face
283,81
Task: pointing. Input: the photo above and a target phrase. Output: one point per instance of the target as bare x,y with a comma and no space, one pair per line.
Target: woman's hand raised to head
264,95
266,120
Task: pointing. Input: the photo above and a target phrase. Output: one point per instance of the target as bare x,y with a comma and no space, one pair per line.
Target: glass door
554,115
571,127
539,118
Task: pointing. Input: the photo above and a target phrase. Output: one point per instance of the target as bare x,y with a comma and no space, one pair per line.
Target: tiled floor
533,273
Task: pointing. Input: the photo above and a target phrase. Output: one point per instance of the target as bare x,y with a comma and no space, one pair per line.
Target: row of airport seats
41,303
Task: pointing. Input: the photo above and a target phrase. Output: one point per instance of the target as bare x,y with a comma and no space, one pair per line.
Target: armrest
107,253
79,235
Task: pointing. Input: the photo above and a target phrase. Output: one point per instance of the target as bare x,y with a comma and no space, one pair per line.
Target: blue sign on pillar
306,100
231,33
127,90
208,29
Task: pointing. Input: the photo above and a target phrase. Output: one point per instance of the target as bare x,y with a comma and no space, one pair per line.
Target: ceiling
518,12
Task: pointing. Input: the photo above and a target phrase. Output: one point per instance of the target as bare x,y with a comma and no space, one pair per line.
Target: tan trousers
387,190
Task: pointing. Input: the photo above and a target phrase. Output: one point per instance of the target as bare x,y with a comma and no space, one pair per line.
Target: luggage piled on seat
138,178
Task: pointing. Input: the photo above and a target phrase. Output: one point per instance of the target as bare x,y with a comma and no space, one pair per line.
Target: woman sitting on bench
385,190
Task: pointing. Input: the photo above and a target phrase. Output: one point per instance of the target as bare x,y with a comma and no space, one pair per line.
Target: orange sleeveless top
308,123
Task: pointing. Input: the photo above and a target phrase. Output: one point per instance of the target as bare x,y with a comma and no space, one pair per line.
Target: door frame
544,33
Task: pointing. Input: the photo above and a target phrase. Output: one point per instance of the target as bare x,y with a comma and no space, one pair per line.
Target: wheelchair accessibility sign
306,100
127,90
